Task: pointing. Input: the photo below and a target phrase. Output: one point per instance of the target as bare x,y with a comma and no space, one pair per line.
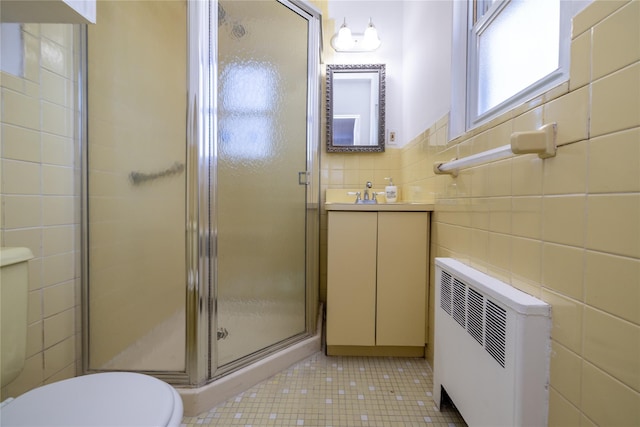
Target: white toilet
106,399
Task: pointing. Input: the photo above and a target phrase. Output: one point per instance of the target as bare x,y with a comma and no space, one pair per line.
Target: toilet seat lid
105,399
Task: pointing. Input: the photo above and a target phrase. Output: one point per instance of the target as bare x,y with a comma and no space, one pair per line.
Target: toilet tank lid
10,256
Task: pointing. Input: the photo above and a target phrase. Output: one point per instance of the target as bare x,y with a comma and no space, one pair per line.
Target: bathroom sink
366,202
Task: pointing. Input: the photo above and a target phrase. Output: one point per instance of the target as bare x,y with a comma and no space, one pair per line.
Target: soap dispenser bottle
391,191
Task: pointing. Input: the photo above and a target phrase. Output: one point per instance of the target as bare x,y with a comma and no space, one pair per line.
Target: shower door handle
303,178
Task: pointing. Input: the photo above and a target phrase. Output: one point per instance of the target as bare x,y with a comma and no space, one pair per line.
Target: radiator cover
492,348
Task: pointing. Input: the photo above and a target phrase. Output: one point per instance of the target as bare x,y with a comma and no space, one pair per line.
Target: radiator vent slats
483,319
459,303
476,315
445,289
496,331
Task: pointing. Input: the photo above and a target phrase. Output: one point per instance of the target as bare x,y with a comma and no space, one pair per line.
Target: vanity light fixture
345,41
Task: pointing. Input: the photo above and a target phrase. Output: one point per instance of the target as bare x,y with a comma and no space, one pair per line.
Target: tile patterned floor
337,391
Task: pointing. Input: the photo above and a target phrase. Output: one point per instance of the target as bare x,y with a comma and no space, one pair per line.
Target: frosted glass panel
509,61
260,207
136,185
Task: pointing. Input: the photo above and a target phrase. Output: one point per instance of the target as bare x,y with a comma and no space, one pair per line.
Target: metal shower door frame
202,183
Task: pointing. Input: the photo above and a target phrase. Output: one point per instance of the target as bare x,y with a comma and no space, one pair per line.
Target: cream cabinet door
351,278
402,278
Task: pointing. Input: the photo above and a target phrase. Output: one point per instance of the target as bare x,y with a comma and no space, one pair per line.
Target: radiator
492,348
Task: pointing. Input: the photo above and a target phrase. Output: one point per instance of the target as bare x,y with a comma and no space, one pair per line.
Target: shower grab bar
140,177
541,142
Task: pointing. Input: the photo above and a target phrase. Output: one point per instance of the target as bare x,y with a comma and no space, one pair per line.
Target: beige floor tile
337,391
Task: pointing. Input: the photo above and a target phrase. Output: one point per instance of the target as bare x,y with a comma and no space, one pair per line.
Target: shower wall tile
20,177
58,210
607,285
53,57
57,268
39,193
56,327
65,373
21,211
32,65
59,356
58,298
586,422
24,111
614,162
606,400
565,373
563,269
619,233
567,320
615,101
596,12
526,175
499,255
59,34
563,219
35,274
57,150
54,88
525,217
57,240
479,182
14,83
479,246
532,119
580,70
20,144
613,345
574,218
526,262
499,178
56,120
566,173
34,307
561,411
627,43
34,338
500,214
57,180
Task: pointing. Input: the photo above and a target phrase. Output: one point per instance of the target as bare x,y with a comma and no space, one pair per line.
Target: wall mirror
355,108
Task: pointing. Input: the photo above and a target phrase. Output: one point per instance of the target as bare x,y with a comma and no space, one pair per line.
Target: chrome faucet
367,186
366,196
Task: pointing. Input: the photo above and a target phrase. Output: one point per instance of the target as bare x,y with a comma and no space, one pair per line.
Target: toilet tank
14,283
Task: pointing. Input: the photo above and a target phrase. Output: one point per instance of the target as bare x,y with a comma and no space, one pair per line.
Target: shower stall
200,185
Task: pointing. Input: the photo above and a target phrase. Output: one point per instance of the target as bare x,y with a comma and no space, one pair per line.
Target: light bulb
344,39
370,40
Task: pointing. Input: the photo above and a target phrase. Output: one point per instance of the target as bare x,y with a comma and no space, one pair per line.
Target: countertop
380,207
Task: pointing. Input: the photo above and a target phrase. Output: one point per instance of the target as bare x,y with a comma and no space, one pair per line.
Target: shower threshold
201,399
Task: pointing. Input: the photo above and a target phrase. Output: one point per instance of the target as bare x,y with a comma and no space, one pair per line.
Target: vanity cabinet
377,272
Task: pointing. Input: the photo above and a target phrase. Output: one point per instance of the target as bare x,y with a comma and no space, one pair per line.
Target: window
248,95
11,48
506,52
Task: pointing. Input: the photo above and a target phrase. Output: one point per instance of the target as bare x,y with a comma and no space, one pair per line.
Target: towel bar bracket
541,142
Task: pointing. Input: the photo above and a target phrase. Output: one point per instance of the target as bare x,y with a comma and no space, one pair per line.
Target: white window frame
464,88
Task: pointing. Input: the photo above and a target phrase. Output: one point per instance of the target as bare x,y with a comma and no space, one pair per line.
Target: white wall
416,48
387,17
426,89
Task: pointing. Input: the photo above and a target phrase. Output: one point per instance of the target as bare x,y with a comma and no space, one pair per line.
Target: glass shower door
136,155
260,196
